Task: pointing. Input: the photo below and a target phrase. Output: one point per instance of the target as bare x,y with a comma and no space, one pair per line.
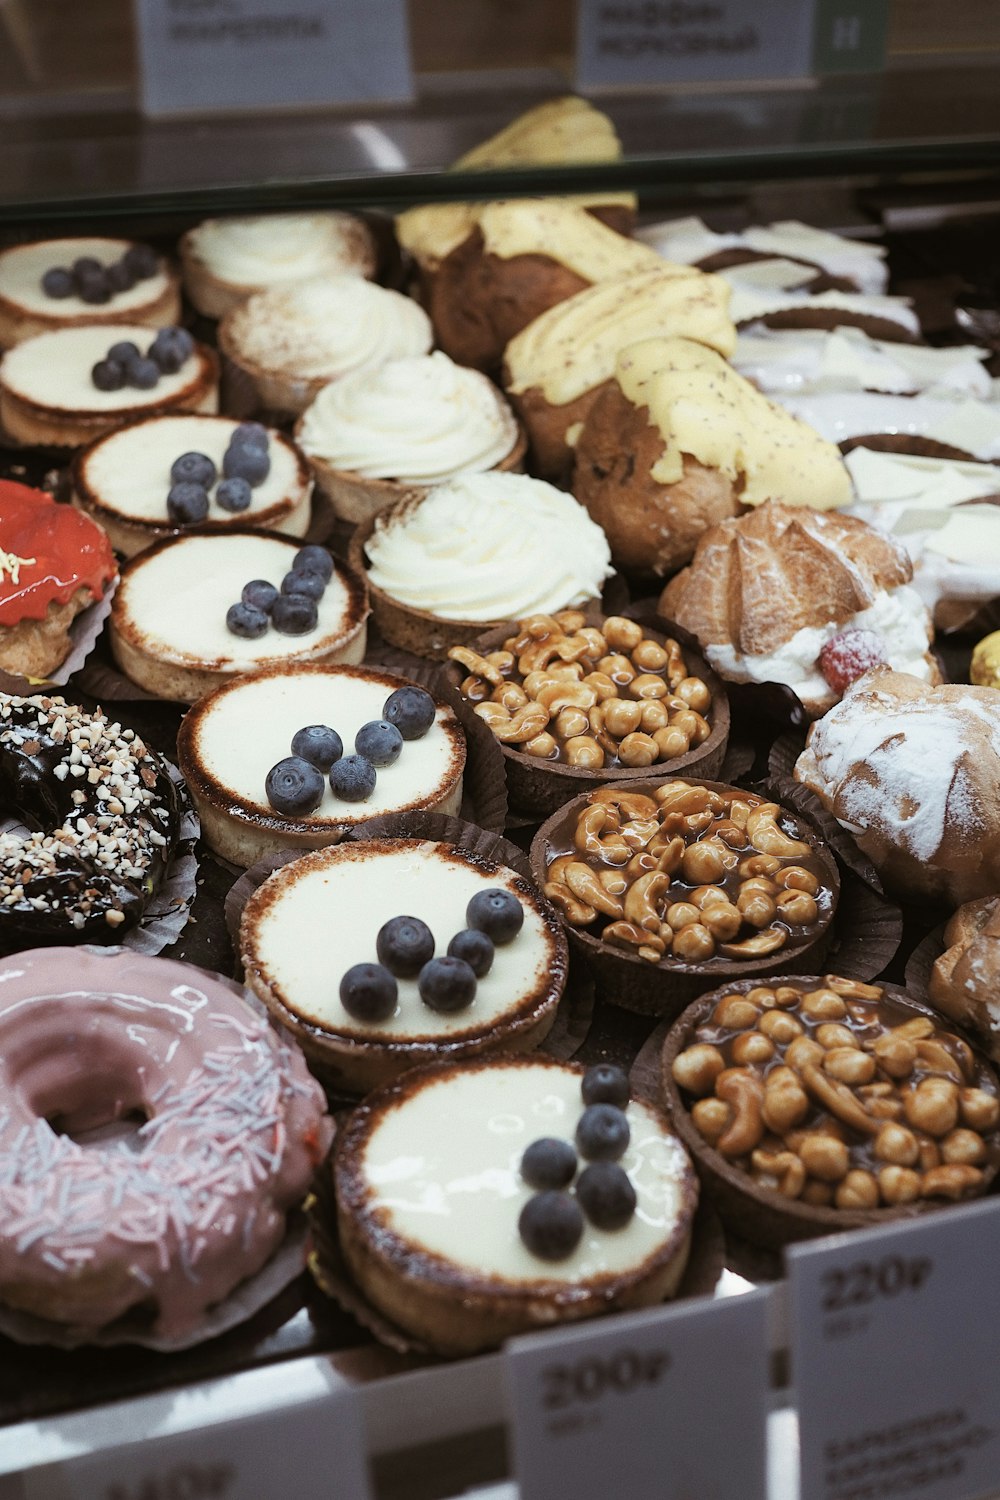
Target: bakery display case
899,172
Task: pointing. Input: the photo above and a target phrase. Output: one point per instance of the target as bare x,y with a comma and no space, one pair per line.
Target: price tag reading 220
619,1406
895,1359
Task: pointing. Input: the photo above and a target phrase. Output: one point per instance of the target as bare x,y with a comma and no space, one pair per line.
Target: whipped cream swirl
490,547
423,419
265,250
326,327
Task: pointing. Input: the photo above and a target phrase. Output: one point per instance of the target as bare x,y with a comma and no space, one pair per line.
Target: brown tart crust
130,534
243,831
351,1063
541,786
761,1213
181,680
451,1308
32,422
358,500
663,985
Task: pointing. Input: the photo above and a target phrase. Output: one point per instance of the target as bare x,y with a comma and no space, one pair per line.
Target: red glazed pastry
54,562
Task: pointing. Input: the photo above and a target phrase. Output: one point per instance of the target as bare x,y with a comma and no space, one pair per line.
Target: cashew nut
643,900
476,664
745,1092
585,885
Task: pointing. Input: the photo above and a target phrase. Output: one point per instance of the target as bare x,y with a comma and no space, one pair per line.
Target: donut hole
117,1129
86,1085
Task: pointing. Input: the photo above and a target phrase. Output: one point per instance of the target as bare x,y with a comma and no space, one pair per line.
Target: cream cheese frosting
271,249
703,408
489,547
53,370
442,1170
247,729
573,346
350,895
23,266
897,616
423,419
801,360
325,327
691,240
176,599
129,471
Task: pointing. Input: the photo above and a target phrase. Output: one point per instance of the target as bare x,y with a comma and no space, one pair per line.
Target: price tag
312,1451
204,55
635,1405
623,42
895,1359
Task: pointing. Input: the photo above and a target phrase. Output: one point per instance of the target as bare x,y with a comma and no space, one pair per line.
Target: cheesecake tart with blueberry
291,756
63,283
553,1196
429,953
68,386
196,609
159,476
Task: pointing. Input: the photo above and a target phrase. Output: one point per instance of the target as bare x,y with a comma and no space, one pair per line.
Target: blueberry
549,1163
142,261
187,503
58,282
475,948
368,992
245,621
94,288
143,374
447,984
123,353
197,468
294,614
293,786
404,945
170,348
497,912
107,376
411,710
233,495
551,1225
606,1195
120,277
320,745
379,742
241,461
312,585
314,560
605,1084
87,265
260,594
352,778
249,435
602,1133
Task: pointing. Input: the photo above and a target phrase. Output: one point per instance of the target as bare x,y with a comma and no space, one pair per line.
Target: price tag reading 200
619,1406
895,1360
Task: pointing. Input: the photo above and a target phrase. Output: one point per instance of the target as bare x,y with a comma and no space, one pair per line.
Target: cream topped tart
353,891
114,281
123,480
431,1198
172,630
233,737
48,394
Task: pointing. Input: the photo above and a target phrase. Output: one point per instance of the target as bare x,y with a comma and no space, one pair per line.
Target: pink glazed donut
170,1218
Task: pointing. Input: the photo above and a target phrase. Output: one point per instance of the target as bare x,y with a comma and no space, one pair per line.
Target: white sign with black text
656,1405
896,1359
204,55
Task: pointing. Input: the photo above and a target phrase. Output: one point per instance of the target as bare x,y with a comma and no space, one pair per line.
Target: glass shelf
908,120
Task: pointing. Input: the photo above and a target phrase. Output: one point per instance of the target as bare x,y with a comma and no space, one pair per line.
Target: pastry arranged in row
858,264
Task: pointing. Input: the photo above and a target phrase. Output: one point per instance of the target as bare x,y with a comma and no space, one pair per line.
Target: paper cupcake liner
83,635
330,1272
783,754
922,960
287,1263
167,913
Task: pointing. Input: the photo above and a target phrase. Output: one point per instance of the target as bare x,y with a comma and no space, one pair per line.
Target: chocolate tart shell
761,1215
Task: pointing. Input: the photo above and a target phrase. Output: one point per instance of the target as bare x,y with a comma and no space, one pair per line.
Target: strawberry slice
849,655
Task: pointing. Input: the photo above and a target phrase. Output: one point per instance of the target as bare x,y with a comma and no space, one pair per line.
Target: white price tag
204,55
635,1405
895,1359
312,1451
